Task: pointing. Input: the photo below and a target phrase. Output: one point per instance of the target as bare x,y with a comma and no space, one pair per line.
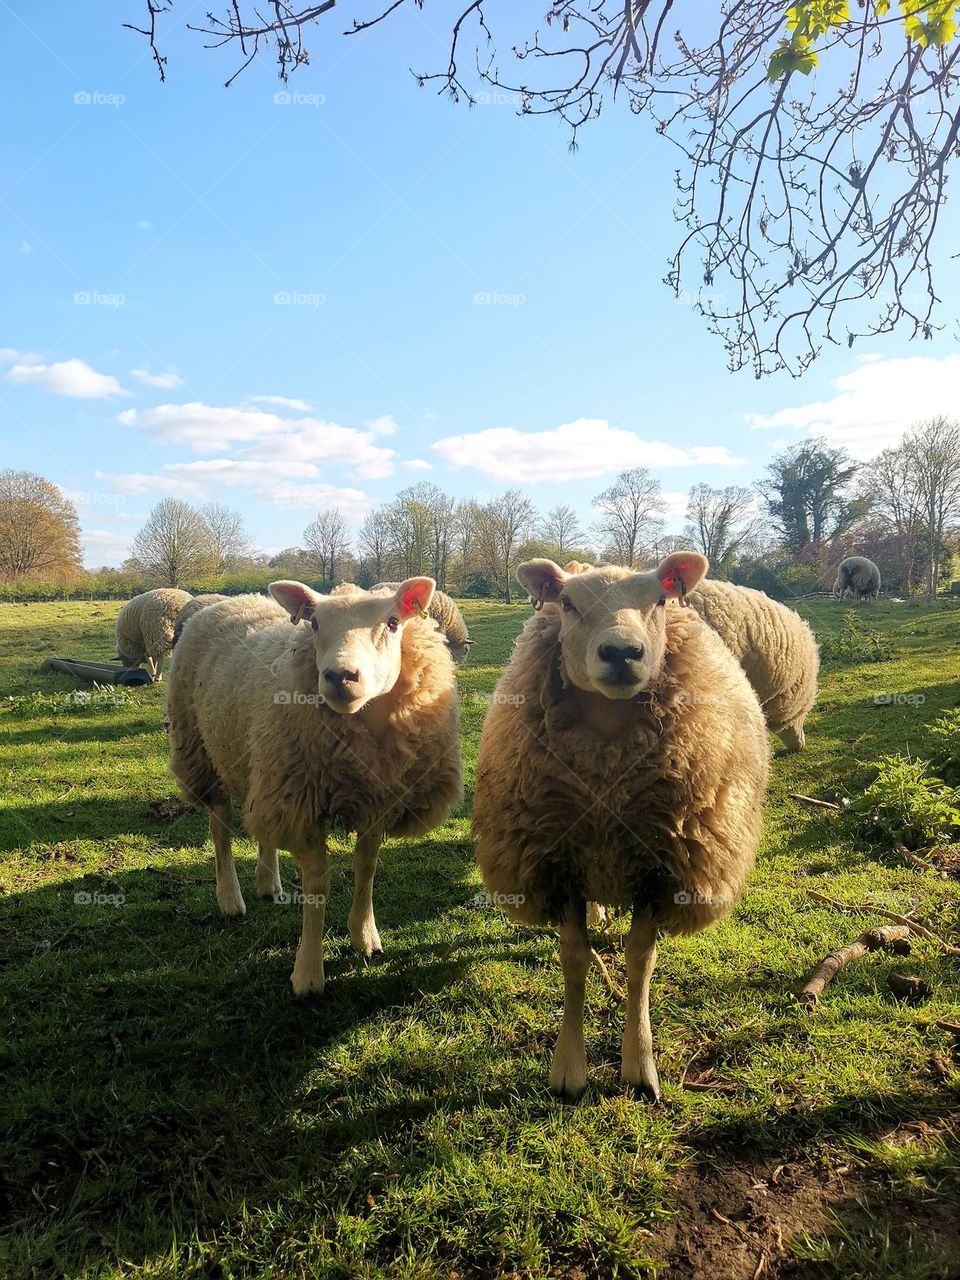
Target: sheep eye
313,623
393,623
567,604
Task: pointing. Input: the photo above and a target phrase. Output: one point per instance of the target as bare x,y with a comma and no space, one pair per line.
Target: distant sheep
623,760
348,725
447,617
857,577
194,606
775,647
145,627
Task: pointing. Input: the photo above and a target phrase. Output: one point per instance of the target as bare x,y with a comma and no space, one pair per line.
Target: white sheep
775,647
193,606
858,577
623,760
350,724
145,626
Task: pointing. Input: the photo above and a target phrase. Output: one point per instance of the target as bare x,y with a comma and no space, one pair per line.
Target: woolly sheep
195,604
145,626
858,577
349,725
773,644
775,647
447,617
623,759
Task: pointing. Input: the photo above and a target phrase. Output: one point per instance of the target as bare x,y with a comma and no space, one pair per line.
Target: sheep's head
357,637
612,625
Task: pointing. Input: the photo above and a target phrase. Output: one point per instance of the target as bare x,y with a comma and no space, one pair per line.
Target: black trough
100,672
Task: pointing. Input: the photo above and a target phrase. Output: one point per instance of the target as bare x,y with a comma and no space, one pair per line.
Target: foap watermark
94,298
97,98
498,98
84,499
296,698
899,699
297,898
291,98
497,298
84,898
501,699
707,301
694,898
483,899
298,298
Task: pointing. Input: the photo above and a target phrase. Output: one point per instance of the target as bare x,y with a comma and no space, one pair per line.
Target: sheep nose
339,676
619,655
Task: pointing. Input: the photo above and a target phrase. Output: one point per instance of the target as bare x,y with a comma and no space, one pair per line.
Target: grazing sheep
775,647
623,760
447,617
350,725
195,604
145,627
858,577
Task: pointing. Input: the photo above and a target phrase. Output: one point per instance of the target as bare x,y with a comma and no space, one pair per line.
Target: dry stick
920,930
605,974
831,965
818,804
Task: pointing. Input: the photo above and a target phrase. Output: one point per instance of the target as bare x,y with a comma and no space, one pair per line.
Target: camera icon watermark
484,899
899,699
298,298
296,698
97,98
84,898
694,898
94,298
291,98
497,298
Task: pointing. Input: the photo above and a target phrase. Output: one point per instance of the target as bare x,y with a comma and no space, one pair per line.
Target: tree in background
932,453
791,235
373,547
632,516
39,533
226,534
561,532
719,521
327,542
505,524
173,546
807,494
465,540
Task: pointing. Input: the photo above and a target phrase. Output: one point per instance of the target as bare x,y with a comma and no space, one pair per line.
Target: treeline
785,535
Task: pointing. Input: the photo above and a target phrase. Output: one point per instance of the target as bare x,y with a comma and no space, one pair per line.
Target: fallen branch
818,804
907,987
830,966
605,974
920,930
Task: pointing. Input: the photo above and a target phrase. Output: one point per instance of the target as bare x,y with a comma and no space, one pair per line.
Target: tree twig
914,926
830,966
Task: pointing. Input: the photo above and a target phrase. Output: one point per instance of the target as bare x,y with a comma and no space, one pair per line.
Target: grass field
168,1110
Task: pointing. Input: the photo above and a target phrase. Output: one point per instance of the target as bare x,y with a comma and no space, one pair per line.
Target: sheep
145,626
351,726
195,604
775,647
447,617
859,577
773,644
624,760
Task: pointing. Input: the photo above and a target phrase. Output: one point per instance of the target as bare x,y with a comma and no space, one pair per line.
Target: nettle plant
946,744
907,805
855,642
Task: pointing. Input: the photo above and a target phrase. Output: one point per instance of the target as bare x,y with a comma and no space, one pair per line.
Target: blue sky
287,305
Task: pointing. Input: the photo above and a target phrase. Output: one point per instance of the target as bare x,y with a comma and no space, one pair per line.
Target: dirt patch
738,1223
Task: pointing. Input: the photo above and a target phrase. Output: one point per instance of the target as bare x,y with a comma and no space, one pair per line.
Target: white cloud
417,464
587,447
9,355
72,378
282,402
140,483
104,546
875,403
385,425
166,380
298,442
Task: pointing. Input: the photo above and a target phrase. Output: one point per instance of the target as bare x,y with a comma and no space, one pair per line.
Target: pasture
168,1109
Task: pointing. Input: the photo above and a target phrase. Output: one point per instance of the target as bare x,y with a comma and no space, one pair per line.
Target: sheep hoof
792,738
230,901
366,939
268,887
305,983
568,1074
643,1079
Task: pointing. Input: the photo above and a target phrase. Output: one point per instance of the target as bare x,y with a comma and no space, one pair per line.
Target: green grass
168,1110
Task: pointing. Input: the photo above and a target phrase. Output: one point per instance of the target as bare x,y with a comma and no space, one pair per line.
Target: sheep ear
541,579
414,596
681,572
298,600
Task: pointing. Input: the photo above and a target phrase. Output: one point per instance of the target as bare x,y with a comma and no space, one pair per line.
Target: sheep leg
229,897
568,1074
307,978
267,874
640,952
151,667
361,921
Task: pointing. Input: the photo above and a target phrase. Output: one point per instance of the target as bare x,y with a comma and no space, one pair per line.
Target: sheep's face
612,623
357,637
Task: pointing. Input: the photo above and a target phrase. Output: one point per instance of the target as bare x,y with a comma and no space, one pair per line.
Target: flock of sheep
623,760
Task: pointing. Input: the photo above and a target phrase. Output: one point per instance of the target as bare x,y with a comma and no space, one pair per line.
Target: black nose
618,655
340,677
